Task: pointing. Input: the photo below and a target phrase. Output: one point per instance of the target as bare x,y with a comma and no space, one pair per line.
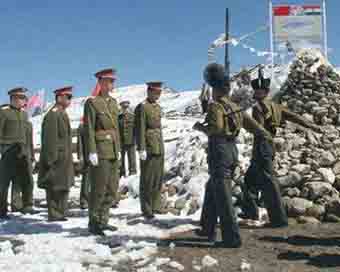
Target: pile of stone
308,163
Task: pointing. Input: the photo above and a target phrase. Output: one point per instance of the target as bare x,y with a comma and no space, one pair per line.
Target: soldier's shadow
163,223
19,225
300,240
190,242
322,261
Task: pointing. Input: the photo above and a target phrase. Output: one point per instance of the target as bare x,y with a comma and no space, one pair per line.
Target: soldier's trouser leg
24,180
131,152
270,188
148,183
225,159
122,164
158,167
207,204
7,171
84,188
115,182
16,199
249,204
101,192
56,204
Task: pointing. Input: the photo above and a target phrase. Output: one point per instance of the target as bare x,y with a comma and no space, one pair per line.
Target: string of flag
221,41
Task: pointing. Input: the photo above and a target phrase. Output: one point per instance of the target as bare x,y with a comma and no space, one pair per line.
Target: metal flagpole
226,60
271,36
325,29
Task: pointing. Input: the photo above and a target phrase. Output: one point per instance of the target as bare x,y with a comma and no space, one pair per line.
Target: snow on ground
30,243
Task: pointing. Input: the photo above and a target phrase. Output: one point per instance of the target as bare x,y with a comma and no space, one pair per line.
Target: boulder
293,179
317,211
314,190
307,220
298,206
291,192
327,175
333,207
326,159
301,168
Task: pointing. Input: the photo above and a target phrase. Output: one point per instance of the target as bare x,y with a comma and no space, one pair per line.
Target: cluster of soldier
106,136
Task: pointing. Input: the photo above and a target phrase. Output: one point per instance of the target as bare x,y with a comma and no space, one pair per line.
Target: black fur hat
214,75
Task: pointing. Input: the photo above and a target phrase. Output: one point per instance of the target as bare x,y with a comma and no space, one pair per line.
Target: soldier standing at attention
259,175
23,192
222,125
14,151
56,173
127,137
82,156
151,150
103,147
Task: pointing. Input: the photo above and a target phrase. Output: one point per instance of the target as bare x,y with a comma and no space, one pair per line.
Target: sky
50,44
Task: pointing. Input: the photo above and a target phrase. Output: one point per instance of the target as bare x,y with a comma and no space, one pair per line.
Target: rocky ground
308,247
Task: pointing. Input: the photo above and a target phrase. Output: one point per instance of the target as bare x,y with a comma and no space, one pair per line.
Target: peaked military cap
125,103
260,83
106,73
155,86
21,91
64,91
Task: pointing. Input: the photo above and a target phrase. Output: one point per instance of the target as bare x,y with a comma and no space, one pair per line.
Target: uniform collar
224,98
14,108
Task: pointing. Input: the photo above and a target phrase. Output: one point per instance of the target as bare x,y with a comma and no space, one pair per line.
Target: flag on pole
35,103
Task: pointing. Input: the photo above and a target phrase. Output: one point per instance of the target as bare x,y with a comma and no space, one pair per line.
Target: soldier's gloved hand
142,155
93,158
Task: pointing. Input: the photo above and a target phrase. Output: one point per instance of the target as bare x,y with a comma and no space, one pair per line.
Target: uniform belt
152,128
106,132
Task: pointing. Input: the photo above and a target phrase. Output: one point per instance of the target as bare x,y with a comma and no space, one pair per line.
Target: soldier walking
151,150
14,152
259,176
222,125
127,137
103,147
56,173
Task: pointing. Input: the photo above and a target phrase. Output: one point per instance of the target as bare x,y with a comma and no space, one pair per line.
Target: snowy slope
30,243
170,101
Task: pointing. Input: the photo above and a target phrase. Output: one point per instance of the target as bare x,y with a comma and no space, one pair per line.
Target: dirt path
296,248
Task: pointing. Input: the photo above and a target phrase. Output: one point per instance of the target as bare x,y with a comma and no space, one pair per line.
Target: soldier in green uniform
14,151
23,193
103,147
82,156
56,173
150,146
259,176
127,137
222,125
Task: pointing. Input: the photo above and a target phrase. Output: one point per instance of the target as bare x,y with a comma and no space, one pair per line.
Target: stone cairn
308,164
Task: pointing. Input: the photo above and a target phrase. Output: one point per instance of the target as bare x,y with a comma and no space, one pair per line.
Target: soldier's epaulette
5,107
